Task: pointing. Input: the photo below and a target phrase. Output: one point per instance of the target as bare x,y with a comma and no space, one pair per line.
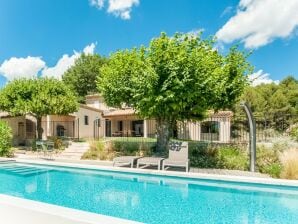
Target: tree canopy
81,77
175,78
38,97
273,100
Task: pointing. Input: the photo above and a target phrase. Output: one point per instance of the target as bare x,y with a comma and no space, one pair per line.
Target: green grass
130,139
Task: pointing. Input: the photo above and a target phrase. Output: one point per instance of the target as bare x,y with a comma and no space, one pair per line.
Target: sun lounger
125,160
178,156
150,161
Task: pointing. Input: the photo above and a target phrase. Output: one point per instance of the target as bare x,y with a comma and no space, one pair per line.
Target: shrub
5,140
96,151
231,157
289,160
204,155
133,147
268,161
58,142
294,132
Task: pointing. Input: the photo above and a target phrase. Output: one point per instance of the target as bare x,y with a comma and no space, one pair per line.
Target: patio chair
150,161
178,155
50,149
40,147
125,160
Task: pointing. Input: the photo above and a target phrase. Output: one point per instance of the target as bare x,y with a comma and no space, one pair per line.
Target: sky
44,37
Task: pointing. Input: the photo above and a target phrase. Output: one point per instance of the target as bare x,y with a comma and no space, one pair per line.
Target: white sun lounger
125,160
178,156
150,161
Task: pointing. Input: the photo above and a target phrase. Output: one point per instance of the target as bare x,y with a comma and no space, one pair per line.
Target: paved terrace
109,163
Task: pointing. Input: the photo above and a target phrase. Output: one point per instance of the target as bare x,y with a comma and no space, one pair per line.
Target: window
120,125
210,131
60,130
86,120
210,127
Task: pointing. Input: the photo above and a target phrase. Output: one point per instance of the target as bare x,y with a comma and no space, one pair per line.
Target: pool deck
15,210
110,164
36,212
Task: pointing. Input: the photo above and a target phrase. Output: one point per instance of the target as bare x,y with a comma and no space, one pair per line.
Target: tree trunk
163,135
39,128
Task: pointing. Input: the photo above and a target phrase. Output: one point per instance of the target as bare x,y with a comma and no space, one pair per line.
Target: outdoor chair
40,147
50,149
150,161
178,155
125,160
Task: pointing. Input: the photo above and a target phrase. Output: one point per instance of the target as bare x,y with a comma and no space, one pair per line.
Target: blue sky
46,36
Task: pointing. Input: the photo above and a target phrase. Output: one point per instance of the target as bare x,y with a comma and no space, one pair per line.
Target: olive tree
174,79
38,97
81,77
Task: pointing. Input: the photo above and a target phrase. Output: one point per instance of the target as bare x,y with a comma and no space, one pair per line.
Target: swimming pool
149,198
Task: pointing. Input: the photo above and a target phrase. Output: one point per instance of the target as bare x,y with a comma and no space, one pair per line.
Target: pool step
75,151
24,171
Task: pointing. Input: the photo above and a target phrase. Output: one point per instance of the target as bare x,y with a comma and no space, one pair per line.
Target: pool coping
202,176
82,217
51,211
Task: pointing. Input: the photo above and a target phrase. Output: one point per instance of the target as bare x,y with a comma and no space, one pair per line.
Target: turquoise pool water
151,199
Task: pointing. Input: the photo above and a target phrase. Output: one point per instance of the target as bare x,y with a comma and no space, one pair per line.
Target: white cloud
65,62
14,68
258,22
119,8
97,3
260,77
89,49
226,11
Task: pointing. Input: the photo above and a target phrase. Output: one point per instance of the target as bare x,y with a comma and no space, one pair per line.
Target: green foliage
133,148
41,96
268,161
274,100
107,150
230,157
38,97
175,78
179,77
202,155
58,142
96,151
218,156
81,77
5,139
294,132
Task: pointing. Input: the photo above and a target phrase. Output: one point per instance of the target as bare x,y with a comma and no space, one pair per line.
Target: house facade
76,125
125,123
96,120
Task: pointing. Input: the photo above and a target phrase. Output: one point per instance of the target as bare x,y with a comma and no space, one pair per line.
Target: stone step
79,144
75,151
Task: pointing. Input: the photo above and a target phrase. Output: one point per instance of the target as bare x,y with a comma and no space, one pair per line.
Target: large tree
81,77
175,78
38,97
273,100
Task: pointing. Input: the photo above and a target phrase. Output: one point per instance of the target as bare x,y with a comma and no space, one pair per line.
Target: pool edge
51,211
230,178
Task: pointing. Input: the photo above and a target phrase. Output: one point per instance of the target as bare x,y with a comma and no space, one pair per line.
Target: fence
221,129
218,129
63,129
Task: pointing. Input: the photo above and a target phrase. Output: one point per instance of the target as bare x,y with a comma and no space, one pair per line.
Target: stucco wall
87,131
97,102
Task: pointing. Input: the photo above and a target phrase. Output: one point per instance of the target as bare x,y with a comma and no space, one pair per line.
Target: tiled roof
124,112
130,112
4,114
223,113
